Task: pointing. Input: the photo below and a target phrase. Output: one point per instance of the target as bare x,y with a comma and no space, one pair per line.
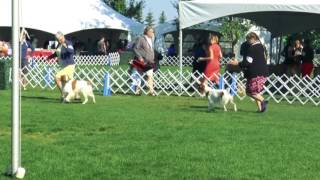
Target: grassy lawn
130,137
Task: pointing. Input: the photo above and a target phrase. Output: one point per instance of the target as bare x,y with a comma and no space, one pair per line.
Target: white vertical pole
180,42
15,151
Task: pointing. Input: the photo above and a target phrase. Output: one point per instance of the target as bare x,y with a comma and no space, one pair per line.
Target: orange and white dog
73,88
216,96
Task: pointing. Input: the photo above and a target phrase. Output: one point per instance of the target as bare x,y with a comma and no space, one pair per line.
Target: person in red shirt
212,68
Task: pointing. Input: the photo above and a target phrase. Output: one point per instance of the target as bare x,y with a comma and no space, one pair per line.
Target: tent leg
180,53
180,46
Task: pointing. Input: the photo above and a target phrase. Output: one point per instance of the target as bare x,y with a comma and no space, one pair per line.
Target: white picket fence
112,59
186,61
40,74
279,88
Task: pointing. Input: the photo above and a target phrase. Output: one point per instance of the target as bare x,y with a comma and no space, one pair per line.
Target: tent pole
271,48
279,50
180,43
15,129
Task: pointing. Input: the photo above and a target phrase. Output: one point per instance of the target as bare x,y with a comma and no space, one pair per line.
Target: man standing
144,52
26,53
102,48
65,53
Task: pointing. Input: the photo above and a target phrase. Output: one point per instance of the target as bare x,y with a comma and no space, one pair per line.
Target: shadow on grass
49,99
205,109
6,175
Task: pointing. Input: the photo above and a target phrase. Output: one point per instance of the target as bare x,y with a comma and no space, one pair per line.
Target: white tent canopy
67,16
171,26
278,16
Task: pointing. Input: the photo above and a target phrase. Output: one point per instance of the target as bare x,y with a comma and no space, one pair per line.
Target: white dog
216,96
73,88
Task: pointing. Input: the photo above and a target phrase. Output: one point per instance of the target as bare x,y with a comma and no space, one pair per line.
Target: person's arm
67,47
137,49
31,47
211,56
54,55
246,61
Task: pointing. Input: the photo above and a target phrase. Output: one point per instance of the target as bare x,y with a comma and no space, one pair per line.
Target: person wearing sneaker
144,52
255,69
64,53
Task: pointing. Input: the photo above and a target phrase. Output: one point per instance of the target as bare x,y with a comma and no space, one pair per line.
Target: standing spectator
199,51
287,53
4,49
34,42
212,68
64,52
26,53
108,46
257,70
244,49
297,57
171,51
307,59
102,48
144,52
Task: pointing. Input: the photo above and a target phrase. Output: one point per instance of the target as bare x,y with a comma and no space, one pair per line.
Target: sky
157,6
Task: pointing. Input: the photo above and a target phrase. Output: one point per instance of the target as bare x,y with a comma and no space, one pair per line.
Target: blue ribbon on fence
106,85
47,78
221,82
136,80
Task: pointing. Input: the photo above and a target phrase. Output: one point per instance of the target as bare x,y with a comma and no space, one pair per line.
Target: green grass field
131,137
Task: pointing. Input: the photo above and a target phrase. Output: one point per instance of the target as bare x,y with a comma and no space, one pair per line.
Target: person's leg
254,88
258,99
59,84
68,72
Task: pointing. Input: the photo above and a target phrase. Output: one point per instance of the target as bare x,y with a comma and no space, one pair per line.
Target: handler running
64,53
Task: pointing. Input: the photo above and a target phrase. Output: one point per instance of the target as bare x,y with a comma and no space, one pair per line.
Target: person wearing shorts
64,53
256,70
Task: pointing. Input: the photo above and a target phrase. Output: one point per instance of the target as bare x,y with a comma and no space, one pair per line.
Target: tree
162,18
233,29
132,9
118,5
149,19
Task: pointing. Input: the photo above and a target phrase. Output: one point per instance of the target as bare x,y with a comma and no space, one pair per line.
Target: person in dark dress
256,70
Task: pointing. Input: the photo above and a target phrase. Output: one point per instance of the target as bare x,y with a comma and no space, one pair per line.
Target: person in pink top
212,68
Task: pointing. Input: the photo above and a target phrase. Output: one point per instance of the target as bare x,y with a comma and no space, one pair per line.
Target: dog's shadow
217,109
49,99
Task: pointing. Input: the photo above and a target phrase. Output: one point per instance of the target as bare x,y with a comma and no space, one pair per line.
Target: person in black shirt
200,51
307,59
256,70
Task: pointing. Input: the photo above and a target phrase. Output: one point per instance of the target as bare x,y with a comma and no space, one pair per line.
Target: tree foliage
132,9
149,19
232,29
162,18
